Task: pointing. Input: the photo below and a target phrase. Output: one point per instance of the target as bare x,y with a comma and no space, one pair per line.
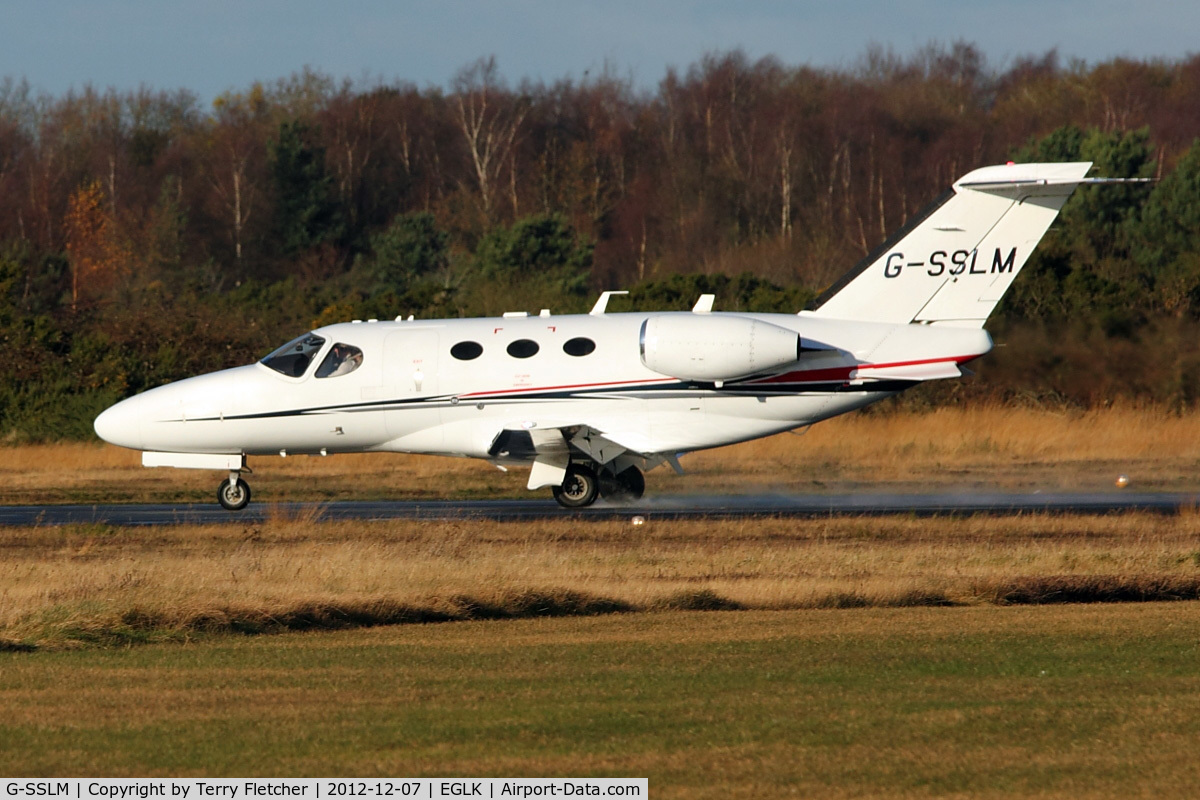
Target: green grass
1070,701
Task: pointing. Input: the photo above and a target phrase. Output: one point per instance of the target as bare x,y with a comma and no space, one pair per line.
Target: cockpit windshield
341,360
294,357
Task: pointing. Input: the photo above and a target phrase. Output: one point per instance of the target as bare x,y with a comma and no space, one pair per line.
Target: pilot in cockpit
342,360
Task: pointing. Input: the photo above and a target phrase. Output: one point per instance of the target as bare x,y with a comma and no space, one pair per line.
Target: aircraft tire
235,497
579,489
633,483
625,487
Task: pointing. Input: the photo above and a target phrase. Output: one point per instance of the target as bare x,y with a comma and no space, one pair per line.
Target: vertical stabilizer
954,261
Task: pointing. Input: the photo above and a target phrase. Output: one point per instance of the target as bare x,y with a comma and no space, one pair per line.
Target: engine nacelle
704,347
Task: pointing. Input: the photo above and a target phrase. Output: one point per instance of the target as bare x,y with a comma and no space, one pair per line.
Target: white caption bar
320,789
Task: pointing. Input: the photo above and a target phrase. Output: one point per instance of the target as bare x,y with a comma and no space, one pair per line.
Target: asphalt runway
660,507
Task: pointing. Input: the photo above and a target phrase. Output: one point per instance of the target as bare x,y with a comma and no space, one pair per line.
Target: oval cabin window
466,351
523,348
579,346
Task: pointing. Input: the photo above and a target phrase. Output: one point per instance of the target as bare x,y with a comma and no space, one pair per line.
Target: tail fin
953,262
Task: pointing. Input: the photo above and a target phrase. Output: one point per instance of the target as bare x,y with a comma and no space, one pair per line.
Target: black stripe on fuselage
681,390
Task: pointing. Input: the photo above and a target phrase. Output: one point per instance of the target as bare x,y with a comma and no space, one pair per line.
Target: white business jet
591,401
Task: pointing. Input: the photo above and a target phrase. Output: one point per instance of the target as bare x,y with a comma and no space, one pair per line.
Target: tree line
145,237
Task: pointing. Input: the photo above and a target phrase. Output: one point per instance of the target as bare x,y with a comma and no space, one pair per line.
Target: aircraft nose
121,425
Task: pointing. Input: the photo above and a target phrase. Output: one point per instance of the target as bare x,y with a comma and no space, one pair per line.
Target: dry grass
103,584
951,448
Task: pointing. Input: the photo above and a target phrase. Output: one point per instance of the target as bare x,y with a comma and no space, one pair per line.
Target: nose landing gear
233,494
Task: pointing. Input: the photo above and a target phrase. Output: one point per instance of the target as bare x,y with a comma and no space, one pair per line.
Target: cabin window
523,348
467,351
579,346
342,359
294,357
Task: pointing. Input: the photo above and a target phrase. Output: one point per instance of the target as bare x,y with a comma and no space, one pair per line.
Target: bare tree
490,121
235,141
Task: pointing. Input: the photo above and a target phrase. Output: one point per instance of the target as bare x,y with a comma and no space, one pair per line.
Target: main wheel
632,483
233,496
626,486
580,487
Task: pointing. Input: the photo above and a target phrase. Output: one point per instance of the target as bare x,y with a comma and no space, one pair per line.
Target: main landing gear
584,483
233,494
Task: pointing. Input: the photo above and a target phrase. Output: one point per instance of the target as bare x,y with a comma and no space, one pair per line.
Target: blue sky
209,46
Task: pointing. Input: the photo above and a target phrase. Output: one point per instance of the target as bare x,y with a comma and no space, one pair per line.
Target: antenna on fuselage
602,303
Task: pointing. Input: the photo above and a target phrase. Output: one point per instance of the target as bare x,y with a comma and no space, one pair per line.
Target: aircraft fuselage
415,392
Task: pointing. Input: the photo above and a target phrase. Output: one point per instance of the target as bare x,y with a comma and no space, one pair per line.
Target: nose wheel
233,494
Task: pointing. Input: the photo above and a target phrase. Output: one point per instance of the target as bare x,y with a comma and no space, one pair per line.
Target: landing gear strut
233,494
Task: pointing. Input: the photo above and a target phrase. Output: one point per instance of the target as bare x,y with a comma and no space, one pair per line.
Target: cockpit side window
294,357
341,360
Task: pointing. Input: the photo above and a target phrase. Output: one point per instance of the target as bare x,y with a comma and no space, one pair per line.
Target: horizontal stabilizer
909,372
